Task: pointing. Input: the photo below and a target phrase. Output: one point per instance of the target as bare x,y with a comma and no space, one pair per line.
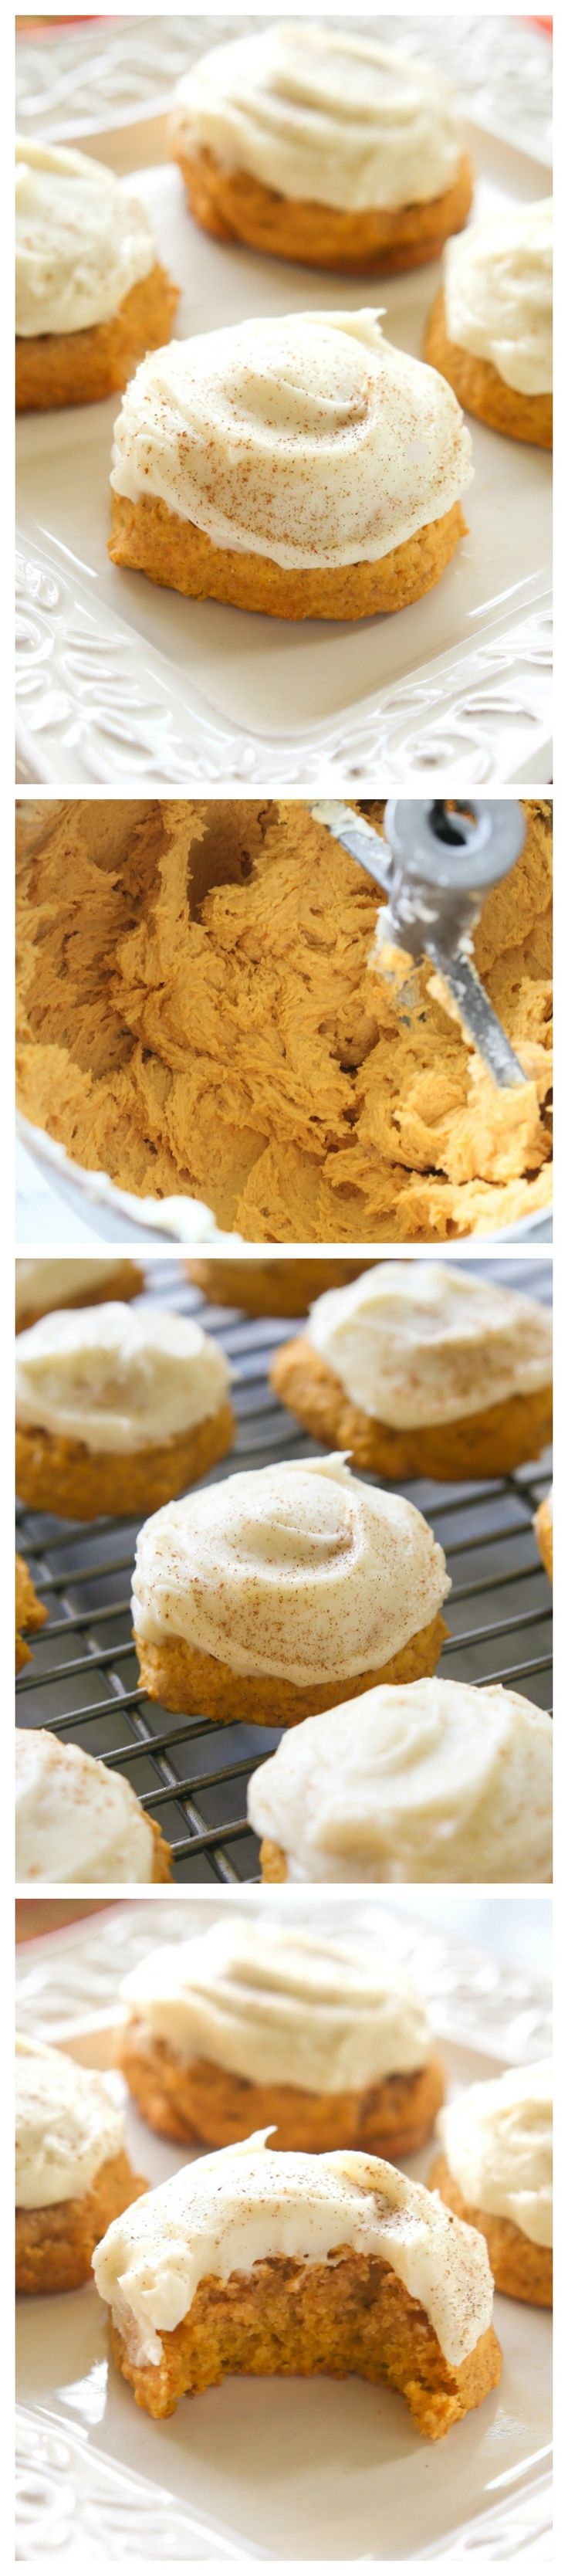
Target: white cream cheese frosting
323,116
82,242
118,1378
279,2006
246,2205
76,1821
306,439
497,2140
300,1571
498,294
43,1285
415,1342
67,2126
428,1780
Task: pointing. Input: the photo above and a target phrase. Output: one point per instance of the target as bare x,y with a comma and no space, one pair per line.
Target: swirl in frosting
416,1342
428,1780
309,439
116,1378
300,1571
67,2126
81,241
245,2205
497,2140
498,294
289,2007
323,116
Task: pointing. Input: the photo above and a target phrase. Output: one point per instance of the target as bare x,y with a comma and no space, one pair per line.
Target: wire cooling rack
191,1774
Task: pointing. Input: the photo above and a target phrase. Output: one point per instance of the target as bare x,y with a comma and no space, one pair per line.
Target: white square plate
282,2469
119,681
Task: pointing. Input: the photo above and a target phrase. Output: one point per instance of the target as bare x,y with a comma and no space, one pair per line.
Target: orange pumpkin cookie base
60,367
273,1863
488,1443
520,2269
161,1856
235,207
288,2319
55,2247
193,1684
147,537
543,1529
204,2105
480,388
54,1474
271,1287
30,1613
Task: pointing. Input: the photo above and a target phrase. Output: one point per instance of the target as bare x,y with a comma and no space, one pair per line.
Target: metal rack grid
191,1775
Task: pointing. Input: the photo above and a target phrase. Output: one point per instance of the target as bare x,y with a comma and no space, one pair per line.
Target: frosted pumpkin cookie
490,329
432,1781
72,2174
270,1287
79,1823
30,1613
299,465
326,2044
262,1597
421,1370
543,1524
43,1286
299,2264
91,296
116,1410
495,2170
322,146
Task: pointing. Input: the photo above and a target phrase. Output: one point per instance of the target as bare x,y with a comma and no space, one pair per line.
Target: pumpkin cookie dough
496,2171
203,1011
